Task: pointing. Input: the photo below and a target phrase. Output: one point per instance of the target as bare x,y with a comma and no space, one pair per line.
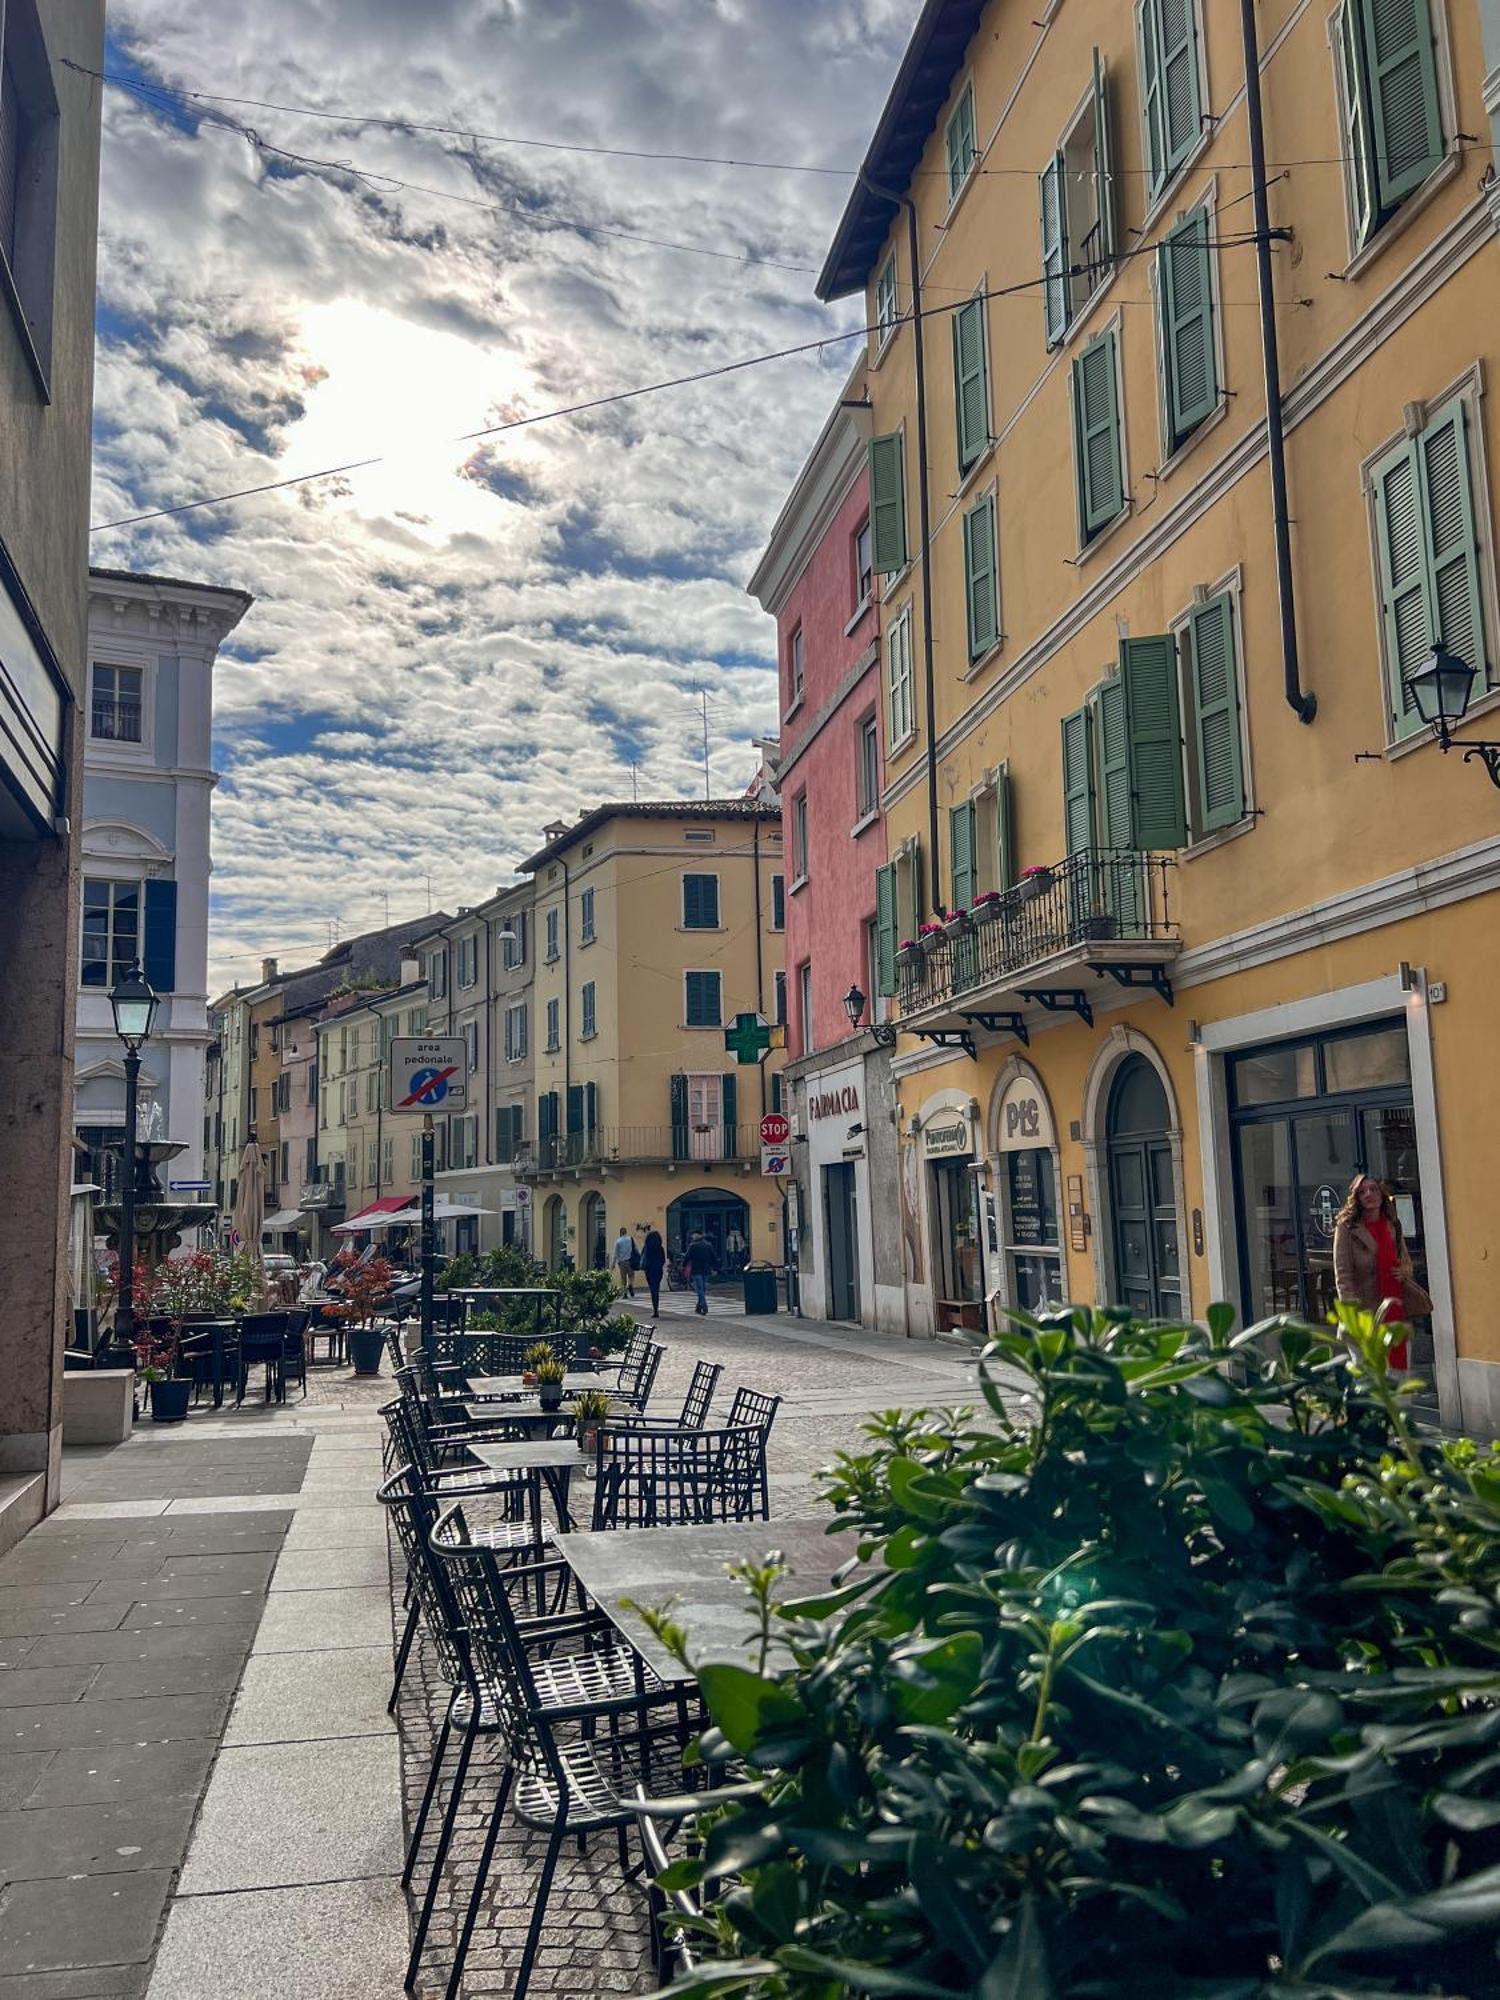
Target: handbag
1415,1302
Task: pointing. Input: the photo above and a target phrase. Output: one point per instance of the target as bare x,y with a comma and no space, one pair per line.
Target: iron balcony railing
627,1144
1095,898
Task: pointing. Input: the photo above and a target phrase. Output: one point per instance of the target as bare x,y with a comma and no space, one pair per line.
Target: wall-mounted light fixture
1441,692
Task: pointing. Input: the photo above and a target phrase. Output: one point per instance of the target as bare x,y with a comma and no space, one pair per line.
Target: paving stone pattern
594,1942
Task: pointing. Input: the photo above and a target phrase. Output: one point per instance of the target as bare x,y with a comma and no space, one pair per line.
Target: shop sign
834,1103
1029,1222
1024,1117
946,1135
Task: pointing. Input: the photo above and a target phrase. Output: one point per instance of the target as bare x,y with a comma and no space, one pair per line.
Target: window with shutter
1096,437
886,939
901,714
1429,557
1215,684
1005,831
679,1103
971,398
1392,113
1114,886
962,857
1078,780
959,145
1169,84
700,902
1158,812
1185,306
888,503
1055,288
729,1100
590,1026
980,593
887,300
704,1005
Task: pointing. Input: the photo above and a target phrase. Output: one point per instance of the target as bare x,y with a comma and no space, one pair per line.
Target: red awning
388,1204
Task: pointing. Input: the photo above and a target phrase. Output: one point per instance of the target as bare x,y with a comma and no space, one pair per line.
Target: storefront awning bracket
1060,1000
1003,1024
948,1038
1154,976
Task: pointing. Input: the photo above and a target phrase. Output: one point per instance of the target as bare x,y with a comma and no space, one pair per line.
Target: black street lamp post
133,1004
1441,691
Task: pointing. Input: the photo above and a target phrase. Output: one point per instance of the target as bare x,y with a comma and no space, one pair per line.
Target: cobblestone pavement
594,1942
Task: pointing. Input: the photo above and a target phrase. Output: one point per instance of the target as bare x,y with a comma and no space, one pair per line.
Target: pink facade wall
826,917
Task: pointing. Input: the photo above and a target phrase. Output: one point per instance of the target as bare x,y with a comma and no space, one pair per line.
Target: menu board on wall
1033,1199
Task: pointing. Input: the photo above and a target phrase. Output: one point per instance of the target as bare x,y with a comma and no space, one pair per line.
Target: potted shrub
1100,924
590,1411
156,1361
986,908
549,1381
1035,882
533,1360
365,1289
930,936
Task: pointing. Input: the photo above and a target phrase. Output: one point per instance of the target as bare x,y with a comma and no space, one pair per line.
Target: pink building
815,580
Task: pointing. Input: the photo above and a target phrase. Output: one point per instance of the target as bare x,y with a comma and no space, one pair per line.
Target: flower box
957,924
985,909
1100,925
931,936
1034,882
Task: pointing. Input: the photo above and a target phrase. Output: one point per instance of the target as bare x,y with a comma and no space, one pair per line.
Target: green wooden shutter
1113,751
1358,150
962,854
1078,780
1403,578
1148,673
1401,78
1151,97
959,143
970,387
1096,435
729,1106
1216,715
979,577
887,504
1104,173
885,929
1451,545
1005,831
1185,277
1175,36
1054,201
679,1101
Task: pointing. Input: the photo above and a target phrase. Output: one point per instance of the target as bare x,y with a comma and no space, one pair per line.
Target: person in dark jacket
653,1263
700,1261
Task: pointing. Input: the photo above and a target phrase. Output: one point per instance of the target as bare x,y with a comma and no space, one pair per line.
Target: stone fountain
160,1218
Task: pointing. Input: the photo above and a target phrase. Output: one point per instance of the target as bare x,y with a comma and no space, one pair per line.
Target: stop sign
775,1129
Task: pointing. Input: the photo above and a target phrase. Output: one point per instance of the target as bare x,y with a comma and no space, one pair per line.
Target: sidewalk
201,1793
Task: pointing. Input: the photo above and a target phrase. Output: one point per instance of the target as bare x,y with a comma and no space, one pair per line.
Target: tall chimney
267,971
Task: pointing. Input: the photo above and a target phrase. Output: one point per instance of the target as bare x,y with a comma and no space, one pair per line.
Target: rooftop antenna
428,880
703,697
635,781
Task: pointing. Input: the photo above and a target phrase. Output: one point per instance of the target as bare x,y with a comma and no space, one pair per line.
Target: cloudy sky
454,646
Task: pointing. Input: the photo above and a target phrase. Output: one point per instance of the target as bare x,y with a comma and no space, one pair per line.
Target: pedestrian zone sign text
429,1073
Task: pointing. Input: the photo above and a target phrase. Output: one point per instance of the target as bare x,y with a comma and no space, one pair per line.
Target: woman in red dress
1371,1264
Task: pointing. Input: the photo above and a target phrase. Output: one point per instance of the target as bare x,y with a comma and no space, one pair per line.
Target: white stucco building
148,782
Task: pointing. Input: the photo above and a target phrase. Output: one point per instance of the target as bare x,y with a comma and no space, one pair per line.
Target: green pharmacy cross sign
752,1038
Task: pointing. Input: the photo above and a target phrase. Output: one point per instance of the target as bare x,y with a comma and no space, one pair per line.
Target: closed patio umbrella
250,1206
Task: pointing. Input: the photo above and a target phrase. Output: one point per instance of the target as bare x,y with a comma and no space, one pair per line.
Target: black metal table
548,1462
686,1568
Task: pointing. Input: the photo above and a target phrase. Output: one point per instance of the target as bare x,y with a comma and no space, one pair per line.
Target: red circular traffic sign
775,1129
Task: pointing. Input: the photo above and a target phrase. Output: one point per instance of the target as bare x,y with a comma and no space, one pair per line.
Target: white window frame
887,303
513,951
588,1009
114,963
702,972
554,929
799,840
1078,314
706,874
554,1026
804,1006
468,960
138,749
516,1032
901,714
866,769
864,571
796,669
470,1033
586,931
437,974
956,192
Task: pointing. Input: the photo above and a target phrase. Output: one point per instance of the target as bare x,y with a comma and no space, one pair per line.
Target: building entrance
725,1221
841,1233
1142,1198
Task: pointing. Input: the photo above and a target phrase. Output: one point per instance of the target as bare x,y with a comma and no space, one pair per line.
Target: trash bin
760,1288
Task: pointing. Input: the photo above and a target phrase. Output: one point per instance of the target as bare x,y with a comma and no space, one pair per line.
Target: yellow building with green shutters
1190,916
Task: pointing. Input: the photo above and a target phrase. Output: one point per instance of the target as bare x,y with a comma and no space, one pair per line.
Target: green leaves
1190,1688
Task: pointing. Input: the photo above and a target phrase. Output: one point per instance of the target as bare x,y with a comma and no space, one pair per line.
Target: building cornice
819,491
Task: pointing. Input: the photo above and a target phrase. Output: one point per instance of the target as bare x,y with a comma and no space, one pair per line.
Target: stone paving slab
299,1812
178,1769
302,1696
83,1725
64,1924
302,1621
22,1687
307,1569
337,1941
95,1982
38,1842
167,1642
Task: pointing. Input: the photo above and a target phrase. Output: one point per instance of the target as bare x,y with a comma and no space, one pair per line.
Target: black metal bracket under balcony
948,1038
1100,914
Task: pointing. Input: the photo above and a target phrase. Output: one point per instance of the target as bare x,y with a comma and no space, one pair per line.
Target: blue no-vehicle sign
429,1073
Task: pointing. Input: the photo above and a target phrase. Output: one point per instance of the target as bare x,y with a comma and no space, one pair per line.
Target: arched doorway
1147,1270
554,1231
592,1243
724,1219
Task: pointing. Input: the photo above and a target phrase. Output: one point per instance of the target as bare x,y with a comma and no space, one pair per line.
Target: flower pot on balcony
550,1395
909,956
958,925
932,936
1101,925
1034,882
986,910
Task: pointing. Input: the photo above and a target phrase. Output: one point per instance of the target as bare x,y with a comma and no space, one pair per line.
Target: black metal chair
673,1915
208,1347
262,1338
636,1383
695,1404
563,1775
294,1349
755,1407
646,1478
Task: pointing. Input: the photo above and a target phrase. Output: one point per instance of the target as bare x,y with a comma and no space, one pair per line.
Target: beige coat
1354,1264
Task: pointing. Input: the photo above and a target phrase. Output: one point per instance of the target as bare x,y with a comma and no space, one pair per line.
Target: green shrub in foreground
1185,1687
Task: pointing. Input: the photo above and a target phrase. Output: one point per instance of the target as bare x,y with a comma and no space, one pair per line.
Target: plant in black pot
156,1360
549,1382
365,1290
590,1410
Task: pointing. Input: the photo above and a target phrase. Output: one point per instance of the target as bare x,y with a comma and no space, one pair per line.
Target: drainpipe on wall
924,516
1304,705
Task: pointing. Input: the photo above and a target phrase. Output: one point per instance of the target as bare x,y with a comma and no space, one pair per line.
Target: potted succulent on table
549,1382
590,1411
156,1361
533,1360
365,1290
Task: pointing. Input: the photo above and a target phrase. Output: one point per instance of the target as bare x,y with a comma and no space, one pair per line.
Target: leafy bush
1184,1686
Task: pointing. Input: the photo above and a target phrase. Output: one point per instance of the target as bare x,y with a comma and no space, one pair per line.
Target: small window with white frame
887,301
867,767
901,712
799,838
586,931
468,960
590,1011
960,145
554,1026
116,707
796,668
864,573
554,934
515,1033
1078,211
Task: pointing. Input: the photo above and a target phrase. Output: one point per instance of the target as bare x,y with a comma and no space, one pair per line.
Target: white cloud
453,647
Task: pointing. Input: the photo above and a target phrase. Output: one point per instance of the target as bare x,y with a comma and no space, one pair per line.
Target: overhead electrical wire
632,395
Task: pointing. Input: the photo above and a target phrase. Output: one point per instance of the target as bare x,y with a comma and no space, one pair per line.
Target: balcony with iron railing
637,1145
1100,917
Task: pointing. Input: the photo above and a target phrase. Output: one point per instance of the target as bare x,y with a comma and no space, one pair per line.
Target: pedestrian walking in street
700,1261
1372,1266
653,1263
626,1259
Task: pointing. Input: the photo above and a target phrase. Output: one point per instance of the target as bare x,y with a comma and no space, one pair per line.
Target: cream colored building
652,928
370,1154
